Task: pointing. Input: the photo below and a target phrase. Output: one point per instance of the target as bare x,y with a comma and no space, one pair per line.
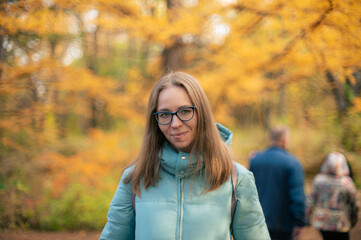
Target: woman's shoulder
327,179
242,172
347,182
246,185
128,170
320,178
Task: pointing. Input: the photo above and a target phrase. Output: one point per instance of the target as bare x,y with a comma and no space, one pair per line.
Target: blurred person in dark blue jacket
280,184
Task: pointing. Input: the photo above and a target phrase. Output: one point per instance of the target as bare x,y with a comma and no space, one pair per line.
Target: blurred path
311,233
308,233
82,235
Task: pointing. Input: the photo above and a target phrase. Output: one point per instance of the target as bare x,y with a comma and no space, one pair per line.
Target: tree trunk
282,100
173,55
2,61
357,85
173,4
93,121
338,93
2,54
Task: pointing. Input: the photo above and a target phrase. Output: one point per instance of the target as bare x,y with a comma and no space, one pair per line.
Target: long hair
207,144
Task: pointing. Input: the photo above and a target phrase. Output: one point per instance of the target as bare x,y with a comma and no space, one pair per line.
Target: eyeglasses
184,114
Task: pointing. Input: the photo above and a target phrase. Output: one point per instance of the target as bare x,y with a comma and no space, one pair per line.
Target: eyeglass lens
184,114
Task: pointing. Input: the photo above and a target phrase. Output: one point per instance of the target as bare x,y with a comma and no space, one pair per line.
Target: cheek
195,124
194,128
163,129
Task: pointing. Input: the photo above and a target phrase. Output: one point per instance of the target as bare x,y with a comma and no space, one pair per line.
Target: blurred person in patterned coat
331,205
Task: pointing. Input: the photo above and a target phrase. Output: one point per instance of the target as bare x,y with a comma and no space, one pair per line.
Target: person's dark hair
277,133
208,143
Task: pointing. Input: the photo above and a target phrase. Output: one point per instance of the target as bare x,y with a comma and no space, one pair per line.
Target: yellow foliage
357,104
104,153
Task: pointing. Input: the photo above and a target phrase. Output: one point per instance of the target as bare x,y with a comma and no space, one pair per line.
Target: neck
278,144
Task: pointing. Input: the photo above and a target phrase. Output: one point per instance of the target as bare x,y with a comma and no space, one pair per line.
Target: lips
178,135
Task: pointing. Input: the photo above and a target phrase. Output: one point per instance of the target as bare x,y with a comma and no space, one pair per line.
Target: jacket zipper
180,208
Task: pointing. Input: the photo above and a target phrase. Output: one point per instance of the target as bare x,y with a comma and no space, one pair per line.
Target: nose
176,122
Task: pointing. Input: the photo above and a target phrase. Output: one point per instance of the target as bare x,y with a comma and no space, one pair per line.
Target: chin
184,147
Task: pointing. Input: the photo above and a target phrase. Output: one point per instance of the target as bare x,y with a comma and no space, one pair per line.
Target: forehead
173,98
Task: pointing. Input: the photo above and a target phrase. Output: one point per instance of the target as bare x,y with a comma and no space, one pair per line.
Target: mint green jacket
176,209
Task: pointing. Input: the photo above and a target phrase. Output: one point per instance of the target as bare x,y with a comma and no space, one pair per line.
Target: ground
308,233
21,235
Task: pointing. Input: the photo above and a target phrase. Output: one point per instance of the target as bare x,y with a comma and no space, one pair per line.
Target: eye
185,111
164,115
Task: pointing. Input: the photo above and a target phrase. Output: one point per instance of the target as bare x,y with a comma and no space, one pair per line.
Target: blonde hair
208,143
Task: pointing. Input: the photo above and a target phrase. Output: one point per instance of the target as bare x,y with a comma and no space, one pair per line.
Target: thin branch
301,35
261,13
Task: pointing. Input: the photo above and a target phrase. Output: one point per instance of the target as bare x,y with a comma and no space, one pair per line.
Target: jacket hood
177,163
226,134
335,164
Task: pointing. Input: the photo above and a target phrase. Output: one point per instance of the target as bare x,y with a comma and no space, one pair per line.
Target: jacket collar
177,163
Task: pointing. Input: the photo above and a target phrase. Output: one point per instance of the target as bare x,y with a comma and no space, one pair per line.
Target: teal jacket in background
176,209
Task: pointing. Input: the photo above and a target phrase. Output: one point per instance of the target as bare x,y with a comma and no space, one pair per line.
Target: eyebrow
167,110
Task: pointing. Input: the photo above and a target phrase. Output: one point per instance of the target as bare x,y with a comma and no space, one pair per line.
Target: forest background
75,76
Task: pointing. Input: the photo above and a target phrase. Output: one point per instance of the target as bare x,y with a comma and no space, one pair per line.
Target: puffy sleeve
248,222
121,219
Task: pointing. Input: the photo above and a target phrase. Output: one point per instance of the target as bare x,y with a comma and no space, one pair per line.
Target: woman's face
179,134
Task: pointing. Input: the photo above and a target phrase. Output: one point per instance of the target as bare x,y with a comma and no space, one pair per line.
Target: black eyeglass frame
174,113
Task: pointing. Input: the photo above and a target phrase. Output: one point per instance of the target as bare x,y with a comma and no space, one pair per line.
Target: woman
181,177
331,205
